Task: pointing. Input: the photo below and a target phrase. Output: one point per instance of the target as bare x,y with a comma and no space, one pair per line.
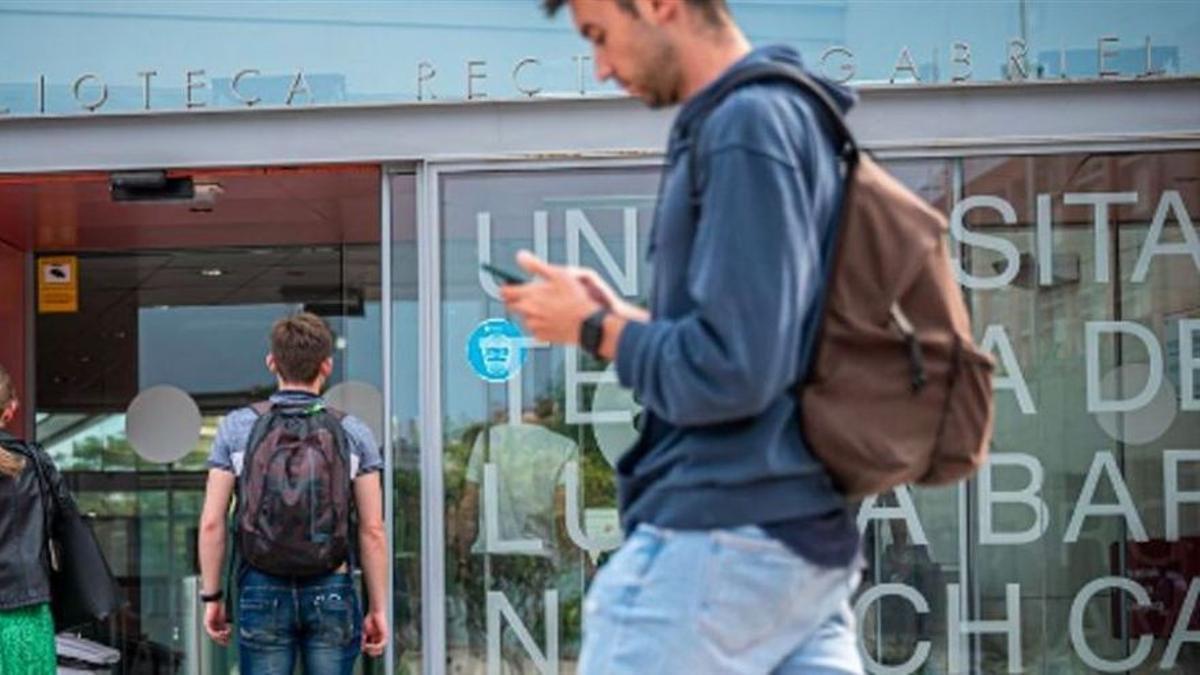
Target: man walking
302,471
741,554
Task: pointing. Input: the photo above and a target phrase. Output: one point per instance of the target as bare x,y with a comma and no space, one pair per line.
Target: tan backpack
896,392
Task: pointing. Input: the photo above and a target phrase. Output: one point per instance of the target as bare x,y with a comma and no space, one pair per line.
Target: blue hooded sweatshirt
733,301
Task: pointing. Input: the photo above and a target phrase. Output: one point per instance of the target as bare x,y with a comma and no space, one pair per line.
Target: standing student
301,472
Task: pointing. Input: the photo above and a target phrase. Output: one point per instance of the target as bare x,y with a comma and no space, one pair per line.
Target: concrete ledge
933,120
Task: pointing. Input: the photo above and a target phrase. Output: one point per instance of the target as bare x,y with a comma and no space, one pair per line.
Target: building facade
173,178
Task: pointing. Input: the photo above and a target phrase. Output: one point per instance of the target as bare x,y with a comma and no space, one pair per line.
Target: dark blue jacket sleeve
753,273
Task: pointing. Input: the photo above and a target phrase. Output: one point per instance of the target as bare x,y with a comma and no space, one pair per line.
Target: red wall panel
13,314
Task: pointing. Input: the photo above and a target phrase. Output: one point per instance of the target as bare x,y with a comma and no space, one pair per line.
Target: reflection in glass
520,458
1074,254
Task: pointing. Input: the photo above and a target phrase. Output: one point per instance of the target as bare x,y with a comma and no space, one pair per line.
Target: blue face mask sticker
496,350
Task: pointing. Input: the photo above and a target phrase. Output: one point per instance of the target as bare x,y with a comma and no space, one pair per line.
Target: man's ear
660,12
327,367
271,364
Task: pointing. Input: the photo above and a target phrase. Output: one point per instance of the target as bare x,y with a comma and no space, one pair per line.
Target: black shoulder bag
82,587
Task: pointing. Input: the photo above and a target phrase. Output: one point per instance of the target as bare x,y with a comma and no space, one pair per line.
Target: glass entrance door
530,433
167,332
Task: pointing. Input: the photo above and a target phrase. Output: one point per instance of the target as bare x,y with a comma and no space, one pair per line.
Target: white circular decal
362,400
162,424
1146,424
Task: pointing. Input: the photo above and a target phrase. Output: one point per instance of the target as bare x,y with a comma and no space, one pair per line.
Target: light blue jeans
717,601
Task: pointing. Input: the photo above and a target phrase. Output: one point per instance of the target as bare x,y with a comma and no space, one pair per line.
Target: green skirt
27,641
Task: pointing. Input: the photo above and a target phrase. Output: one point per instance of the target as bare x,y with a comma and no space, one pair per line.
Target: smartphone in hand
504,276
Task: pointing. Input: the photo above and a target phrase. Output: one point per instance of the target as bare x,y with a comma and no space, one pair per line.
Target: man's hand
215,623
375,632
372,541
601,292
596,287
554,306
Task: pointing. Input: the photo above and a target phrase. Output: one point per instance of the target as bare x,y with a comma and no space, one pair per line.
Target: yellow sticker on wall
58,284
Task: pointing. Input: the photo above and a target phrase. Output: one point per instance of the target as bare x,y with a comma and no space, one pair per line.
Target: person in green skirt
26,624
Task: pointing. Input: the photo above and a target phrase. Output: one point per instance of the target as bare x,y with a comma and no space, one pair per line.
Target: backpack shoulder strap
767,72
774,71
261,408
262,411
334,420
338,428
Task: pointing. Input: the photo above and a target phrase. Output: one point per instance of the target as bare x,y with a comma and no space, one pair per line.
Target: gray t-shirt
233,434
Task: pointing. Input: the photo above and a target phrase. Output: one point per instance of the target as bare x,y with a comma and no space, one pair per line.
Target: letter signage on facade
531,76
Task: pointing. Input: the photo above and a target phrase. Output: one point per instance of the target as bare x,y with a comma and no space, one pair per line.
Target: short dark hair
300,344
551,7
712,9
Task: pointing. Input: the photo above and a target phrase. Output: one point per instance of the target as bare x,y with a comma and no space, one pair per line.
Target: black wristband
215,596
591,332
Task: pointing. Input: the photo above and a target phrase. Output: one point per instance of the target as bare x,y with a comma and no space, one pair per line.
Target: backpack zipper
916,363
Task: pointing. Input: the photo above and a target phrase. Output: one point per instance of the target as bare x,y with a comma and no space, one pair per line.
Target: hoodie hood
841,95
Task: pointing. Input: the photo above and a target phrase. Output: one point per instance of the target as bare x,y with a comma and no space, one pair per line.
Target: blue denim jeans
278,620
717,601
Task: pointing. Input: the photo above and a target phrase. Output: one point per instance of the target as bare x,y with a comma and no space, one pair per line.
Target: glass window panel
1053,383
404,420
523,461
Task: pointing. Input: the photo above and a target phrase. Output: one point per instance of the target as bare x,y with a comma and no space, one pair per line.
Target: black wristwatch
215,596
591,332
